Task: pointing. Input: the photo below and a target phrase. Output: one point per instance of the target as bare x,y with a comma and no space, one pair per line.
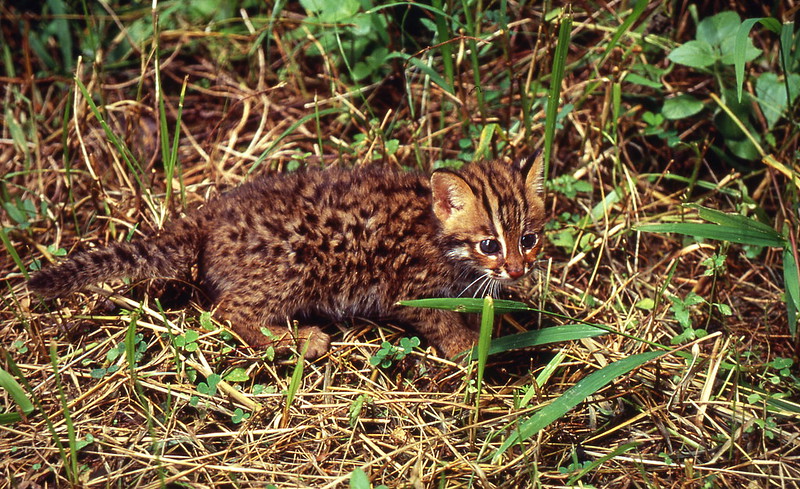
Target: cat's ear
452,196
533,169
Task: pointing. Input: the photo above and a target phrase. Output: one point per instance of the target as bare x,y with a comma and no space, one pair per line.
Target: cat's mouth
508,277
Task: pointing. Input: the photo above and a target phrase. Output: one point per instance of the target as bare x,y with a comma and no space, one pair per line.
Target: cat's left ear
533,167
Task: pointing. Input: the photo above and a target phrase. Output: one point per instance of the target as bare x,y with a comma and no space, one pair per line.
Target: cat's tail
169,255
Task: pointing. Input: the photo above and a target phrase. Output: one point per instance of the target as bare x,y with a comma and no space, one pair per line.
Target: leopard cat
338,243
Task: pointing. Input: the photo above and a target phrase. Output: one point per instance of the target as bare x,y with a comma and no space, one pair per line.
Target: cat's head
491,216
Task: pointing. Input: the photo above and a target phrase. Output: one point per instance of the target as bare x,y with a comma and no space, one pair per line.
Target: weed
389,354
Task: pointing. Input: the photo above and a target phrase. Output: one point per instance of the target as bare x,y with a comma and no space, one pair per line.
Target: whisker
485,275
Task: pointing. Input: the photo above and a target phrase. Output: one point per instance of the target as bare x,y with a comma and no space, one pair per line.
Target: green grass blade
484,149
467,304
576,394
638,10
18,395
130,161
430,72
740,46
554,94
12,252
555,334
485,337
543,377
289,130
734,220
294,382
70,457
60,27
597,463
792,283
719,232
443,35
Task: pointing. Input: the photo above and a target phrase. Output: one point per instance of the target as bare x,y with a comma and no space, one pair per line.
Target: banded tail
169,255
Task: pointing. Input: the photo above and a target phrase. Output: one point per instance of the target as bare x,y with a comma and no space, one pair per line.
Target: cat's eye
529,241
490,246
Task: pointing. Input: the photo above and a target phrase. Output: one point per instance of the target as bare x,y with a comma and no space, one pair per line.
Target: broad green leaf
359,480
720,31
238,374
332,10
681,107
729,52
694,54
716,29
771,93
743,148
573,396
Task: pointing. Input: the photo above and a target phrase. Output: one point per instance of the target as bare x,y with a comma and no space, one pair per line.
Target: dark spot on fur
333,223
125,256
356,229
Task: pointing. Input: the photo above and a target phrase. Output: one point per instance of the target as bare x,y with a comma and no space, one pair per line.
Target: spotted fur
339,243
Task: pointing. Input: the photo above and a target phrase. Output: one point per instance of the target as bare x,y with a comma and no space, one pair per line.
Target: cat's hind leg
450,332
260,330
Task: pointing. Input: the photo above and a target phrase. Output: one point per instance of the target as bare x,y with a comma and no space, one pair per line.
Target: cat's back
321,225
334,187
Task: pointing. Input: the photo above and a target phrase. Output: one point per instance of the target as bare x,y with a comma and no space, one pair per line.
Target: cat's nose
515,273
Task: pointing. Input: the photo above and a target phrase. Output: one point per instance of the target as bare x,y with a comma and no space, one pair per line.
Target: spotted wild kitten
339,243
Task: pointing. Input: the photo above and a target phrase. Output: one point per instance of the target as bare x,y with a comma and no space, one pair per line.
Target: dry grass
683,420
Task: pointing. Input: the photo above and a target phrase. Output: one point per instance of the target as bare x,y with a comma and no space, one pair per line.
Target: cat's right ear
452,196
533,169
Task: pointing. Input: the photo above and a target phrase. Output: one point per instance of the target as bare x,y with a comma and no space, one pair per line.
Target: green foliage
554,95
37,264
389,354
568,185
239,415
715,264
682,309
359,480
17,394
209,387
21,211
295,380
187,341
576,394
654,128
722,45
238,374
115,353
357,39
714,43
737,228
356,407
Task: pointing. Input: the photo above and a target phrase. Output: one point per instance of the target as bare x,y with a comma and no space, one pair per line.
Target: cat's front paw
453,346
318,342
